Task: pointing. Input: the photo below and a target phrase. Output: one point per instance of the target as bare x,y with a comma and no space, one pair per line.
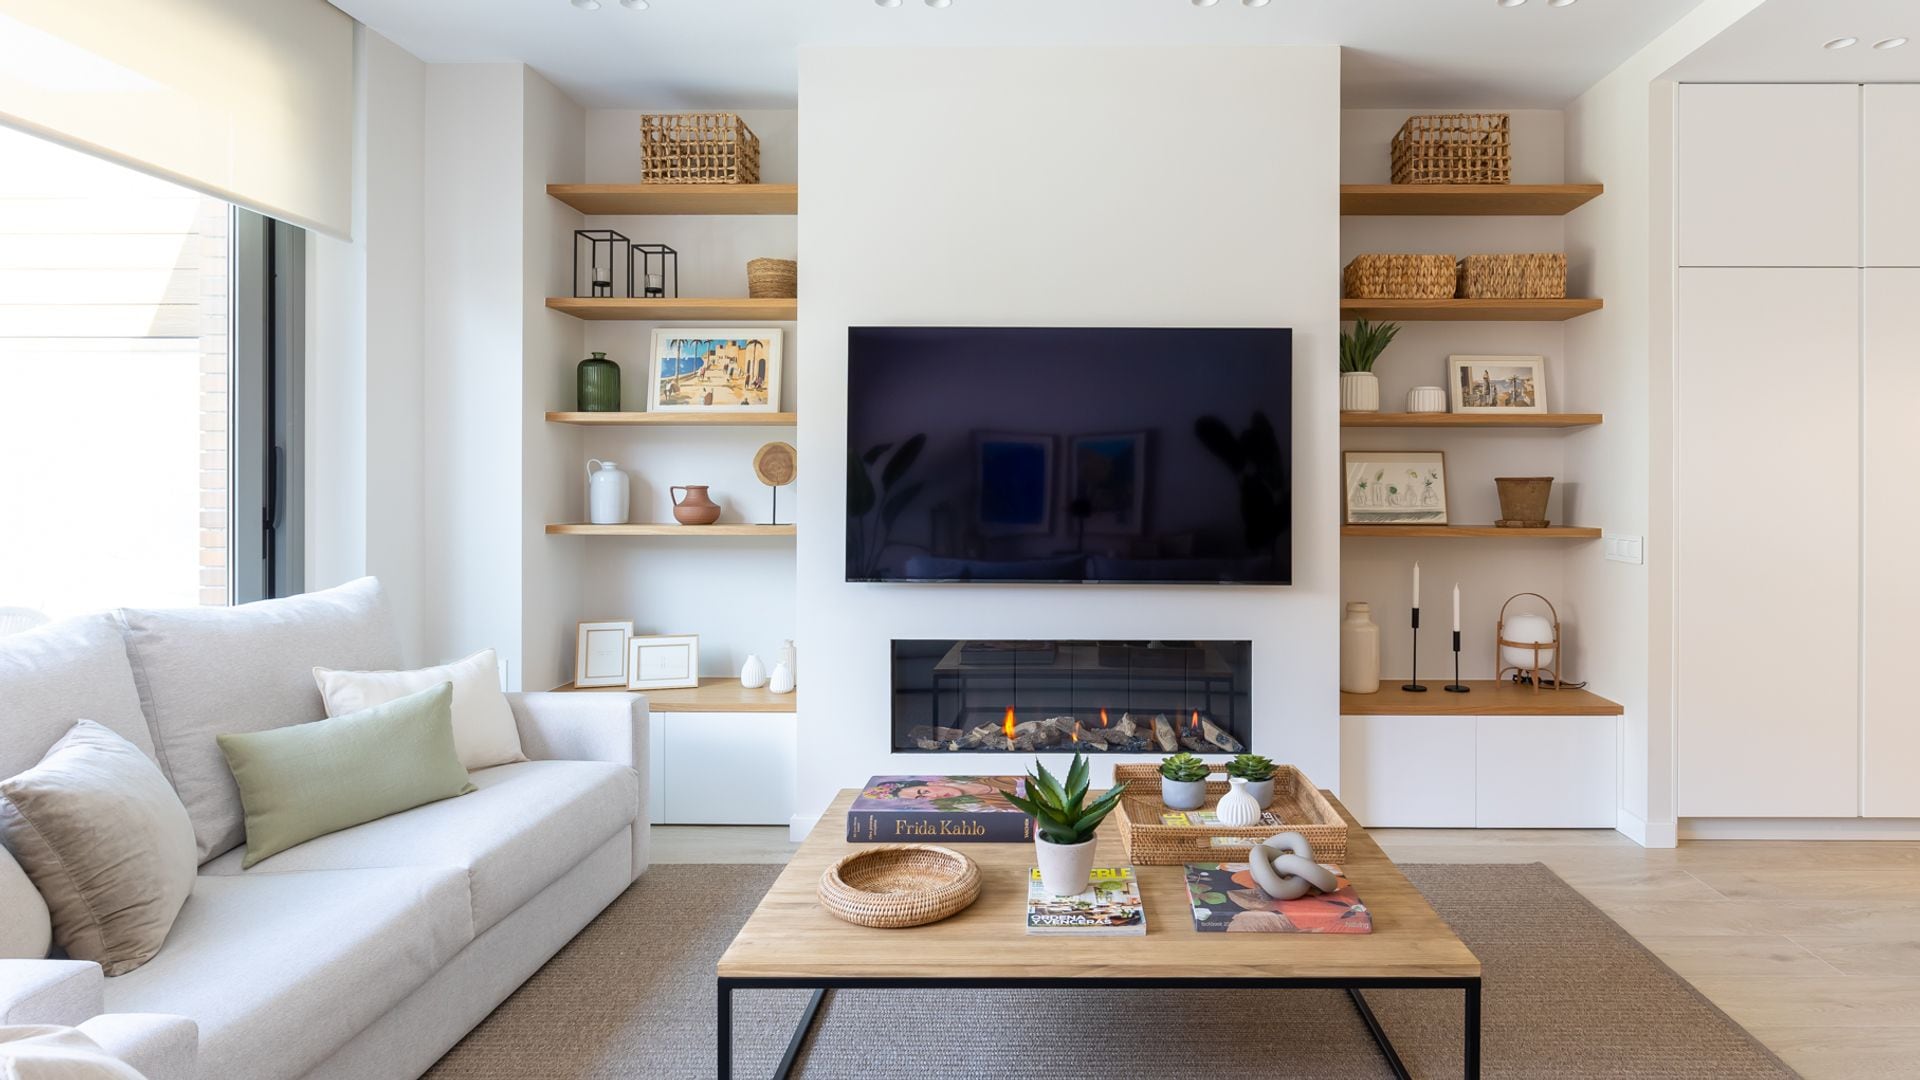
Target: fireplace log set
1131,734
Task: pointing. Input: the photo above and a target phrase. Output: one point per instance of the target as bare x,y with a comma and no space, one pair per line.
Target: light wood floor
1813,947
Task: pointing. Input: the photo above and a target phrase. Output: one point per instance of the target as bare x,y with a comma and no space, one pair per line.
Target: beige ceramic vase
694,507
1359,652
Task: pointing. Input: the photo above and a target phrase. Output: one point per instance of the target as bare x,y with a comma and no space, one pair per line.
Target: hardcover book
939,810
1226,898
1110,906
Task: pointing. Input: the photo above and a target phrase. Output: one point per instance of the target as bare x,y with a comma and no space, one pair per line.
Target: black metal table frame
1353,986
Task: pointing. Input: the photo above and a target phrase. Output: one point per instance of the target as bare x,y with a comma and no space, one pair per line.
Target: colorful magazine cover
943,794
1226,898
1202,819
1111,905
940,810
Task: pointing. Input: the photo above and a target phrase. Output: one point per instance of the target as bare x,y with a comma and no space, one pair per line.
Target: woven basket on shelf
1454,148
1537,276
772,279
1398,277
698,148
899,885
1297,803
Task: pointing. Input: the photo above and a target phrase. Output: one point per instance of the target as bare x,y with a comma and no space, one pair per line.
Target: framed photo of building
663,662
1497,384
714,371
1395,487
600,654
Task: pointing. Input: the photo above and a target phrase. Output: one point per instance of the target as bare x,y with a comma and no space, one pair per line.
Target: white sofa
366,953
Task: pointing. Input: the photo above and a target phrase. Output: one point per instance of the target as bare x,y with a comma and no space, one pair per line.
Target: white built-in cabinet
1796,429
713,768
1487,772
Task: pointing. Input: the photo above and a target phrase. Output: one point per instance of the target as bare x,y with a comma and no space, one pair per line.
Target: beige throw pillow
107,843
26,930
484,731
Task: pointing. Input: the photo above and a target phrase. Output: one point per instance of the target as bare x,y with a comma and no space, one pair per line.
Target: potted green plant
1258,773
1064,823
1183,782
1359,348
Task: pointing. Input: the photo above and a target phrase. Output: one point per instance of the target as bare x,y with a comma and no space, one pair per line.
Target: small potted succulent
1063,825
1359,348
1258,773
1183,782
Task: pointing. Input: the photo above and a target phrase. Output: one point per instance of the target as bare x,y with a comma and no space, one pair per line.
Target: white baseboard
1800,828
800,825
1648,834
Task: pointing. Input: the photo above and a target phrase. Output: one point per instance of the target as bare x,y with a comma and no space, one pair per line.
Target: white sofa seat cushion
281,970
526,825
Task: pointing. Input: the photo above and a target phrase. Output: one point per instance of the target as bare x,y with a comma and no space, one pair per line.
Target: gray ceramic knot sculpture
1283,867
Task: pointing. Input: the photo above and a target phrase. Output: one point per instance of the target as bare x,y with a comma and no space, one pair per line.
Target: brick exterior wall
214,584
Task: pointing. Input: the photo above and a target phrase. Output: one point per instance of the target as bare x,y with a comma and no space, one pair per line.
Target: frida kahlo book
1111,905
939,810
1226,898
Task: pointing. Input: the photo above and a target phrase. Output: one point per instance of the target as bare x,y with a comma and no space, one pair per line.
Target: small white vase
1426,399
1065,869
1183,794
1359,651
781,681
1359,391
1237,808
753,673
788,658
607,491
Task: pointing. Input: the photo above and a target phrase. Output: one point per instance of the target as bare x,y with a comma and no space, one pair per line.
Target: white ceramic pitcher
606,493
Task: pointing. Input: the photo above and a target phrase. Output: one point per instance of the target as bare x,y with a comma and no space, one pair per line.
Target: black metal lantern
603,249
659,270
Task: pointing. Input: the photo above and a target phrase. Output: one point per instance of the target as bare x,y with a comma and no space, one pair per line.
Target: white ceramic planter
1426,399
1065,869
1359,391
1183,794
1262,791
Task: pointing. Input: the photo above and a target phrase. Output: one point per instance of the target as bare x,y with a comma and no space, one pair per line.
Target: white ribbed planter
1359,391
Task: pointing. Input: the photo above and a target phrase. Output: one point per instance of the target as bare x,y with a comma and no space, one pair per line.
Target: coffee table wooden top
790,936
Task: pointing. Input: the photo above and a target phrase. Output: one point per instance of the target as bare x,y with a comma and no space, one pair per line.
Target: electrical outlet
1626,549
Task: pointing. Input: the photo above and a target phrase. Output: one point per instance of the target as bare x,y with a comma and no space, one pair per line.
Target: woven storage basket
1296,802
772,279
698,148
899,885
1454,148
1399,277
1539,276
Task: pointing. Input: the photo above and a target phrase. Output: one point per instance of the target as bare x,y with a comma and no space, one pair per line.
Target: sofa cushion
527,824
203,672
26,929
483,727
281,970
52,675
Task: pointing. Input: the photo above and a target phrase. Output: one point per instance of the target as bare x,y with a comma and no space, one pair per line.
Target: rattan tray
1296,802
899,885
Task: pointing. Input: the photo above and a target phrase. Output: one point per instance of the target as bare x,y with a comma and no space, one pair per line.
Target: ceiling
742,53
1781,40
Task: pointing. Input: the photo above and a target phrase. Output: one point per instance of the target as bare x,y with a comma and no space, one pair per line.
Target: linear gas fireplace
1131,697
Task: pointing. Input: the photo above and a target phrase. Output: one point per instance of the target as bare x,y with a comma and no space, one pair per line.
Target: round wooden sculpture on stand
775,465
1526,657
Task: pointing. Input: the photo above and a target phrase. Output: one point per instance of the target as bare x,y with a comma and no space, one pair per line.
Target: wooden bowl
899,885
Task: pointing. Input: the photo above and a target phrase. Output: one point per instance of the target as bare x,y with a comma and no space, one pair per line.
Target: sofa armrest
62,992
590,727
159,1046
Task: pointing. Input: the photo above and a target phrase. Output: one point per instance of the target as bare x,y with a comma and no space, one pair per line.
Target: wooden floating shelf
1464,532
712,696
1469,310
636,309
1459,420
1518,200
1486,698
583,529
673,419
613,199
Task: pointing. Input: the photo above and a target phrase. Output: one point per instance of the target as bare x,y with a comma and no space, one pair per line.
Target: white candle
1456,607
1416,586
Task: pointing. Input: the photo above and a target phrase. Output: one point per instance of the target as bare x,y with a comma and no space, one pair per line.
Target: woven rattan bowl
899,885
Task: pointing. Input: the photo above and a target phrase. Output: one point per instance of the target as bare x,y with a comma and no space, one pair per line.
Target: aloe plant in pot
1359,348
1183,782
1064,823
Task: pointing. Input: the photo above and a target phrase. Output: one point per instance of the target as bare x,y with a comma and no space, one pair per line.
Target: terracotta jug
694,508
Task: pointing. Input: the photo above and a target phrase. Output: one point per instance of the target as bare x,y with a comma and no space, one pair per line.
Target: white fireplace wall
1065,187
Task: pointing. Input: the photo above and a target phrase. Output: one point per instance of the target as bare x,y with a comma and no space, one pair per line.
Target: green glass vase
598,383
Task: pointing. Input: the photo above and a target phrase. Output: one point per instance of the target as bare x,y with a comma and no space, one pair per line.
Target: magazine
1110,906
1207,819
1226,898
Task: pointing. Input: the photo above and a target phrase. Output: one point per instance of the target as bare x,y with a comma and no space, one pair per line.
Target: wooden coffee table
790,942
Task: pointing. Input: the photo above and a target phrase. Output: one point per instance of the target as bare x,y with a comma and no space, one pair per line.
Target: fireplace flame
1103,718
1075,733
1195,725
1006,725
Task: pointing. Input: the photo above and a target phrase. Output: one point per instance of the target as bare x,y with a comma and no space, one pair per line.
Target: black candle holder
657,262
602,262
1414,686
1456,687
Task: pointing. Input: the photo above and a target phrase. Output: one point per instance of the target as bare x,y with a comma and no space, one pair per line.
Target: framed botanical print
663,662
600,654
1396,487
1497,384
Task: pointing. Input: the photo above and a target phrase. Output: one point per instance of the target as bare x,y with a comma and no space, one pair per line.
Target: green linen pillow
308,780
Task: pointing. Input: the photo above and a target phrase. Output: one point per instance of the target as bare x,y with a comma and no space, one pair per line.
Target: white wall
978,208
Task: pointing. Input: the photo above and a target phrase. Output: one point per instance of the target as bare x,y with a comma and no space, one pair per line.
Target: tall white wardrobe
1797,450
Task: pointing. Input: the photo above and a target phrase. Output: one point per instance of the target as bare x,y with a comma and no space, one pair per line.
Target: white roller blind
247,100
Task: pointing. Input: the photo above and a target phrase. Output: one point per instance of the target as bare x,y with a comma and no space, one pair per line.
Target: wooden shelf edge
677,309
1457,310
1486,697
655,529
1463,532
1469,420
711,696
679,199
673,419
1505,200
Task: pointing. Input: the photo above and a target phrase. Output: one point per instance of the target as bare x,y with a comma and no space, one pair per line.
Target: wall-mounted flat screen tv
1140,456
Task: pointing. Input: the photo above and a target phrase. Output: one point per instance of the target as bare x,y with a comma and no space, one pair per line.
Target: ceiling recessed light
1841,43
587,5
634,5
1511,3
939,3
886,3
1256,3
1559,3
1205,3
1890,43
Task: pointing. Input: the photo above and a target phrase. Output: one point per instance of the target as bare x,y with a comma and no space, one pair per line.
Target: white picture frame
1395,487
600,654
663,662
705,370
1477,384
